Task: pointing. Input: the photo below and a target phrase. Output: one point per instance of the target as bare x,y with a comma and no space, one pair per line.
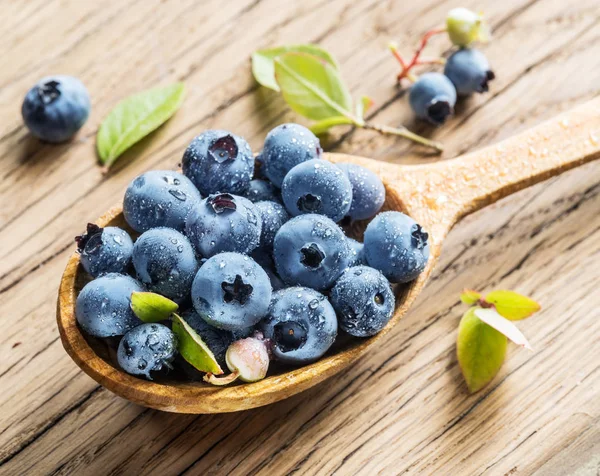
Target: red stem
415,59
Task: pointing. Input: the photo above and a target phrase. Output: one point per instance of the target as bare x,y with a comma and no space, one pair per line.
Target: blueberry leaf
512,305
503,325
193,349
312,87
480,350
151,307
134,118
470,297
263,66
323,126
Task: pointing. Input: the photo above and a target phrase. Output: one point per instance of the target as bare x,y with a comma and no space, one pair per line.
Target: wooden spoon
436,195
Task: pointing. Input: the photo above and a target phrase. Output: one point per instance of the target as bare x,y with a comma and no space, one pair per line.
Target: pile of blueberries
243,250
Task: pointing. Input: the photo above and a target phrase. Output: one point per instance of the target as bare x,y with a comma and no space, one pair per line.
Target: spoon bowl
436,195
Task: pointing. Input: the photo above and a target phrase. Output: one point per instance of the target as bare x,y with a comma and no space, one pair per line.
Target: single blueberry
159,198
224,222
217,340
273,217
231,291
357,253
104,250
147,348
368,192
311,251
285,147
433,97
363,300
103,307
56,108
165,262
397,246
301,325
469,71
219,161
317,186
262,190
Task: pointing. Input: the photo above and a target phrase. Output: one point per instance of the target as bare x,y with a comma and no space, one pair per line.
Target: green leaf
312,87
263,66
470,297
480,350
151,307
363,106
193,349
323,126
134,118
512,305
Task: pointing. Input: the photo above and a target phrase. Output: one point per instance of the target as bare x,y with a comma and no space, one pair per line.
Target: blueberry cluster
241,254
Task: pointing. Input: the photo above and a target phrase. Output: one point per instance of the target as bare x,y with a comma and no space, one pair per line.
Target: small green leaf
323,126
151,307
363,106
193,349
480,350
312,87
134,118
263,66
470,297
512,305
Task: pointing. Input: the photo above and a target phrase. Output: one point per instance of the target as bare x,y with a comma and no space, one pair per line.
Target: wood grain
402,408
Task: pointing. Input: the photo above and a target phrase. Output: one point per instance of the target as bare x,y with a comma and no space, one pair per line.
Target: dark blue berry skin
261,190
147,348
219,161
397,246
222,223
104,250
265,259
469,71
317,186
231,291
285,147
301,325
165,262
217,340
56,108
368,192
103,305
311,251
357,253
363,300
432,98
273,215
159,198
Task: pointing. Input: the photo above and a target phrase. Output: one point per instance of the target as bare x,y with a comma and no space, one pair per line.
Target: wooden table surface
404,408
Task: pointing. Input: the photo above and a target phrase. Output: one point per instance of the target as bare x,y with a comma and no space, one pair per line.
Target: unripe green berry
465,27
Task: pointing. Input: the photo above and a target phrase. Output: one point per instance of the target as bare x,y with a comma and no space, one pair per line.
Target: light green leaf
312,87
480,350
151,307
363,106
263,66
323,126
512,305
134,118
470,297
193,349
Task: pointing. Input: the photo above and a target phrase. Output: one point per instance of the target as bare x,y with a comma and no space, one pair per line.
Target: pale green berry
465,27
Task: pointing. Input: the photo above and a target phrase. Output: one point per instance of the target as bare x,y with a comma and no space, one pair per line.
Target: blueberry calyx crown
289,335
236,291
438,111
419,237
379,299
224,149
48,92
309,203
489,75
312,255
222,202
92,237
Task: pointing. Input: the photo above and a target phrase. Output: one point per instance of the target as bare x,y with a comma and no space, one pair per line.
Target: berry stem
406,67
404,132
214,380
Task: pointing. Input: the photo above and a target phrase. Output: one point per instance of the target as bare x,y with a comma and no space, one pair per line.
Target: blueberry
231,291
104,250
217,340
469,71
301,325
261,190
317,186
103,305
147,348
219,161
56,108
265,259
311,251
368,192
273,217
165,262
357,253
159,198
285,147
363,300
397,246
224,222
433,97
